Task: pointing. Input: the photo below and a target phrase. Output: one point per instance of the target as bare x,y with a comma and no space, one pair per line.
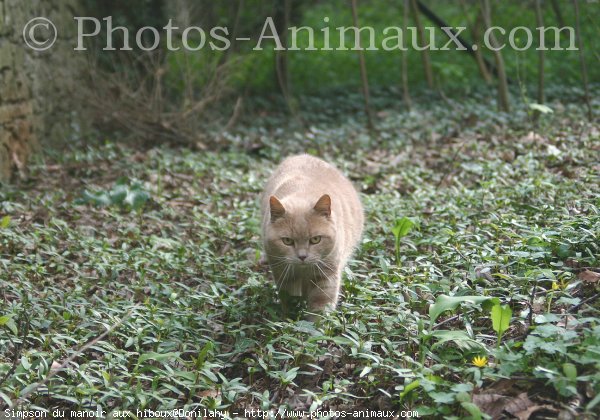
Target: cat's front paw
317,312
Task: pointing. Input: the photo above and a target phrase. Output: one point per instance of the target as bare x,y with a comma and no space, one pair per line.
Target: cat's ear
277,209
323,206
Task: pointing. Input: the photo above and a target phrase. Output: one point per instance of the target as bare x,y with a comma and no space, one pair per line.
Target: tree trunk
540,93
476,31
363,70
503,101
584,74
484,64
234,31
421,36
282,22
558,14
405,92
281,63
481,64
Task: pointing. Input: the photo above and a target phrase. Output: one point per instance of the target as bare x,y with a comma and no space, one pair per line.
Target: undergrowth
162,247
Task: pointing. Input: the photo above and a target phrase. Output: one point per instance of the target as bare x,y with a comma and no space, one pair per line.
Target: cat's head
300,234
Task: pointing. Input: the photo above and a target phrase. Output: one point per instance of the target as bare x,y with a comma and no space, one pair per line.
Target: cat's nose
302,257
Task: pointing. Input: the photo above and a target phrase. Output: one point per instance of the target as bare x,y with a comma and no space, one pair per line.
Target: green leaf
106,376
544,109
501,315
9,322
202,355
136,199
460,338
29,388
4,319
291,374
593,403
8,402
409,387
209,374
129,342
5,222
570,371
463,397
402,227
157,356
119,194
400,230
447,303
365,371
99,199
25,363
473,410
442,397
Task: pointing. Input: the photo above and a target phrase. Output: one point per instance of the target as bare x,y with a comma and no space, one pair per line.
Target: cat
312,219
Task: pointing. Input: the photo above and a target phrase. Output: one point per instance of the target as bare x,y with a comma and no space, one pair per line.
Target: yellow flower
555,285
479,361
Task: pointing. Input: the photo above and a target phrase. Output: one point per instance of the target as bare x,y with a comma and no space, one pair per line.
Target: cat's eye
315,240
287,241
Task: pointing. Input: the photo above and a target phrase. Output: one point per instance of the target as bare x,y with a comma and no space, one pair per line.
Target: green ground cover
163,245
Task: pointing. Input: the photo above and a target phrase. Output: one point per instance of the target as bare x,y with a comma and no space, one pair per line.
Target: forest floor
489,304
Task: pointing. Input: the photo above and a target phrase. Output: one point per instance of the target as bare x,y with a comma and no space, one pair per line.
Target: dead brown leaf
572,263
213,393
520,406
589,276
500,400
533,137
490,404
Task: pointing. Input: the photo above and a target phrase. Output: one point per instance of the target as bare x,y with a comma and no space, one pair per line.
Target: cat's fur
306,198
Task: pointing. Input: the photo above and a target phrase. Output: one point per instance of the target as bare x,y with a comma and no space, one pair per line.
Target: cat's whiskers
319,287
276,261
285,274
279,264
323,273
275,257
326,265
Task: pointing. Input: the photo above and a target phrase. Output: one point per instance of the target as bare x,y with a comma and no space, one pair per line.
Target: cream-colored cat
312,220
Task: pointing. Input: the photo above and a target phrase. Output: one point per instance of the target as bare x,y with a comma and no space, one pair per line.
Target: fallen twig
575,308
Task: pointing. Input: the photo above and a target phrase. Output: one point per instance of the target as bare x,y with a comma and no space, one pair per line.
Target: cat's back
304,165
308,175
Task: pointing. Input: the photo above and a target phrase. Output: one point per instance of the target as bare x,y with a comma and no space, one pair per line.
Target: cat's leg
285,299
290,295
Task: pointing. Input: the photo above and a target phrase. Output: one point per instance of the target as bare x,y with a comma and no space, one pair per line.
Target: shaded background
196,98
